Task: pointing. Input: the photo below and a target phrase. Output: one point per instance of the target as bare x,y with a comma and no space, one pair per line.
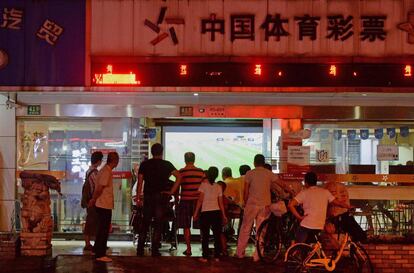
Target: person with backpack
88,188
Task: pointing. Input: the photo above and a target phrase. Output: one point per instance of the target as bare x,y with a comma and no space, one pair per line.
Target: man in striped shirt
191,178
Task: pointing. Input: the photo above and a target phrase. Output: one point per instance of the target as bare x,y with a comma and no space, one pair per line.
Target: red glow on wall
332,70
258,69
115,79
183,70
408,71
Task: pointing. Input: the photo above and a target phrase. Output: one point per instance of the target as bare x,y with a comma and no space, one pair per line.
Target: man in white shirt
87,193
315,202
103,200
258,185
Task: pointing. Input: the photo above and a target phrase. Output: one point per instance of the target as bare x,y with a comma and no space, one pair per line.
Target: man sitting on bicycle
341,216
315,202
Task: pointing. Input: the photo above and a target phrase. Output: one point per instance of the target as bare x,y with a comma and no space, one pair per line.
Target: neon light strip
110,78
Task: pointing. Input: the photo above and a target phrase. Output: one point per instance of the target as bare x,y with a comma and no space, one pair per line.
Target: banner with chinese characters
42,43
298,158
32,146
387,152
282,28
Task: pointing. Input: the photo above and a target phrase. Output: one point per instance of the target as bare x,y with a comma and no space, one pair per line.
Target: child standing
212,213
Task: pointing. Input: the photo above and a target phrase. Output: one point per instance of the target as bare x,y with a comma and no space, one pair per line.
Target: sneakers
187,253
104,259
173,247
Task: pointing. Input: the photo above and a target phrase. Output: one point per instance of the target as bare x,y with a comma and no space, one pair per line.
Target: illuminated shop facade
332,80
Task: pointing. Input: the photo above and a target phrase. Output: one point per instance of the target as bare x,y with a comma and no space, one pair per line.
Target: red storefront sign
121,174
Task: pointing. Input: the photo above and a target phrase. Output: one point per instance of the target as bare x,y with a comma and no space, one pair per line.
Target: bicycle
275,233
309,258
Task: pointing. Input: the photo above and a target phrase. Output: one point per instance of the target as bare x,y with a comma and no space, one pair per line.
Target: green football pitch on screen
220,149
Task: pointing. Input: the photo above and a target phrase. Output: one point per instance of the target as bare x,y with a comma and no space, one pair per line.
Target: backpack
87,193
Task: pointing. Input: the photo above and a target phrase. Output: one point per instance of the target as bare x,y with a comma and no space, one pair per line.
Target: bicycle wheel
288,230
361,258
295,259
268,240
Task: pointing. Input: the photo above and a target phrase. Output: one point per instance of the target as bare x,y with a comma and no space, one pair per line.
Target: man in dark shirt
154,175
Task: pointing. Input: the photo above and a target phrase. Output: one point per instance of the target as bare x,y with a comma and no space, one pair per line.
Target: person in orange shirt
234,187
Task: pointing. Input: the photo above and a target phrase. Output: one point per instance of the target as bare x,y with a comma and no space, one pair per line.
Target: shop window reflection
68,147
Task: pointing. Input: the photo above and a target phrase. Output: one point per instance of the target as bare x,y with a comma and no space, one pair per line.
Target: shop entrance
62,147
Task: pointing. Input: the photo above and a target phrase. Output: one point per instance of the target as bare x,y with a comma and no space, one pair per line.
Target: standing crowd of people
203,202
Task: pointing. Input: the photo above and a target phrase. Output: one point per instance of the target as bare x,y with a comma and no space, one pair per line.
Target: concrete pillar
267,138
7,163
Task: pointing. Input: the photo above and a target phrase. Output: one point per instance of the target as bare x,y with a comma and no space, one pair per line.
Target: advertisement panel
33,147
42,43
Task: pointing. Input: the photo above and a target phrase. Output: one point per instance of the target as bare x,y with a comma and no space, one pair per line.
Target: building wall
7,163
118,28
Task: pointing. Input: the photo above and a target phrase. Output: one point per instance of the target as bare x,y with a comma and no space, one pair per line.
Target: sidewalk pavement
68,257
126,264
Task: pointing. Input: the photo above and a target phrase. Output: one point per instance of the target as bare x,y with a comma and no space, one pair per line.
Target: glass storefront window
354,148
63,148
356,144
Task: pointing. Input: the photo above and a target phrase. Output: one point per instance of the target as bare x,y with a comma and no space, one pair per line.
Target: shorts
185,211
306,235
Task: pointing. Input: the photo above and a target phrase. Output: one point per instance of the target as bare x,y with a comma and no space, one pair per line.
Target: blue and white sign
351,134
364,133
404,131
379,133
337,134
391,132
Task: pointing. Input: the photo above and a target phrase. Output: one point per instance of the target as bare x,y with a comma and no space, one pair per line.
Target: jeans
210,219
102,232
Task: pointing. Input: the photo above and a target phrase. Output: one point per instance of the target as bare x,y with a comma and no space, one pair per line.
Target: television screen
213,146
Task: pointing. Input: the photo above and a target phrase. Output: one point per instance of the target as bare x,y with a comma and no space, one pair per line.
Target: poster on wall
387,152
298,158
33,150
